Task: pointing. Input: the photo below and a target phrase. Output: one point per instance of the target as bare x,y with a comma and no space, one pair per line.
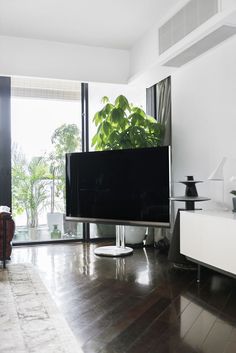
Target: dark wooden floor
137,304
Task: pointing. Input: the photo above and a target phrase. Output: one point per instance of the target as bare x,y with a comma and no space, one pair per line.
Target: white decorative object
209,237
218,172
232,179
218,175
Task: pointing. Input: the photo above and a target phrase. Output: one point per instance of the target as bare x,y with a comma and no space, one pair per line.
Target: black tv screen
121,186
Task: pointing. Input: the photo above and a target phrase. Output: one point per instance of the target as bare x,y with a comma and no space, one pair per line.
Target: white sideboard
209,237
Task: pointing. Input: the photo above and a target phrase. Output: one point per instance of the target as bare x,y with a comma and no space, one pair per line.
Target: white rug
30,322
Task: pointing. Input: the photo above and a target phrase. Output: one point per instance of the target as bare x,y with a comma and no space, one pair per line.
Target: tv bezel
130,222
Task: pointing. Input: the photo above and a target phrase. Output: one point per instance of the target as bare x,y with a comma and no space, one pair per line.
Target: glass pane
136,95
44,128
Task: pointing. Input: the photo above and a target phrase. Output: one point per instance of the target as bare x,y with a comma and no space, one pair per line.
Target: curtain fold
163,102
158,105
5,141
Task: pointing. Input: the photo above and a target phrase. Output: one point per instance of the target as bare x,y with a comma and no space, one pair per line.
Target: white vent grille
211,40
191,16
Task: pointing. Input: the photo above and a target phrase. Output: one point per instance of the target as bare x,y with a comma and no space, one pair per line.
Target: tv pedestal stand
115,250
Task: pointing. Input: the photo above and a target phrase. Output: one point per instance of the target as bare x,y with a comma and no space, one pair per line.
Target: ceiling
104,23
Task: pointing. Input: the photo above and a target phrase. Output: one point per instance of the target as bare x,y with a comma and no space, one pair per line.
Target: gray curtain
163,100
5,141
158,105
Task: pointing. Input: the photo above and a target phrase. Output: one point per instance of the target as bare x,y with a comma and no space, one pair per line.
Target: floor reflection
121,268
136,304
208,323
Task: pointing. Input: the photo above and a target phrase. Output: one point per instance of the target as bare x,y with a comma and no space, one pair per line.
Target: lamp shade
217,173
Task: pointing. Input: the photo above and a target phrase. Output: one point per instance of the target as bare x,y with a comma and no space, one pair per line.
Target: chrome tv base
115,250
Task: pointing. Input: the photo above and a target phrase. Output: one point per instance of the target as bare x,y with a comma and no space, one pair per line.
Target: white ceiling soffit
104,23
45,88
218,26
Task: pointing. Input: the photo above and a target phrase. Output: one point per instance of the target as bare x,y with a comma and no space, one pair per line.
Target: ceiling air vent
211,40
191,16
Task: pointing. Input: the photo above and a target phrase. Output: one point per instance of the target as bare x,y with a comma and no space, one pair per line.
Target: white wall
204,118
46,59
145,52
227,4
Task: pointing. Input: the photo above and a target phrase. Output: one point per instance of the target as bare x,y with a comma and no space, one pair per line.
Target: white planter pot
102,230
56,218
234,204
135,235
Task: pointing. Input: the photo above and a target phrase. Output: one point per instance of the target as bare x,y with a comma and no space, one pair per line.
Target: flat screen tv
129,186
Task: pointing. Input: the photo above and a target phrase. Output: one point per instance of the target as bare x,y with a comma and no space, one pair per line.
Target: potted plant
233,192
121,125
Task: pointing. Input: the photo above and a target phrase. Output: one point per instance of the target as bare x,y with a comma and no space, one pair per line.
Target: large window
45,124
45,120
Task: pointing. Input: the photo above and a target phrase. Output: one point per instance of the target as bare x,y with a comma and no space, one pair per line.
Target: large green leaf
117,116
114,137
97,119
109,107
106,128
105,100
137,119
105,111
139,111
151,119
94,140
122,102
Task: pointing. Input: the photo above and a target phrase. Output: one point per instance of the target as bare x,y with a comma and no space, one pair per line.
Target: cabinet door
209,239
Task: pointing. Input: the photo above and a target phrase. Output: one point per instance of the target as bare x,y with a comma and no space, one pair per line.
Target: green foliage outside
65,139
122,125
29,186
32,181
